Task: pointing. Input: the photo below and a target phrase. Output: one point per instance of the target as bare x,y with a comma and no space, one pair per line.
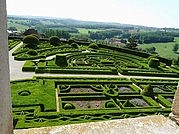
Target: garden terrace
84,60
13,43
51,101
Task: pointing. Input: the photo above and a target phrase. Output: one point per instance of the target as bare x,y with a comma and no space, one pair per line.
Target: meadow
163,49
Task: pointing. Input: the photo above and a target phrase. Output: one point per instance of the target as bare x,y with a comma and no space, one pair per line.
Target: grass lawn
163,49
85,31
40,94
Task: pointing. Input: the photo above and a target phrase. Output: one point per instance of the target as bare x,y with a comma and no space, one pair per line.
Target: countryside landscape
85,71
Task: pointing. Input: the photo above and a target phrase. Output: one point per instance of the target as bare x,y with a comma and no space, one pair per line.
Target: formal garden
59,100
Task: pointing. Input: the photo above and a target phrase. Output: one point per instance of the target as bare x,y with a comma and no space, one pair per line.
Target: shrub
93,45
70,41
74,45
54,40
61,60
68,106
32,52
110,104
148,91
154,63
35,35
31,41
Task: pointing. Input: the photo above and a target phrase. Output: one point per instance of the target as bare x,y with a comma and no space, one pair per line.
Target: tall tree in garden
131,44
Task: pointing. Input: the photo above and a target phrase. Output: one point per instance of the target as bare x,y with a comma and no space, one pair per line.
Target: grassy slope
19,27
163,49
85,31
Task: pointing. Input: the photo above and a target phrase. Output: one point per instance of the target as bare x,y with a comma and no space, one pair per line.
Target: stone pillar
6,126
175,107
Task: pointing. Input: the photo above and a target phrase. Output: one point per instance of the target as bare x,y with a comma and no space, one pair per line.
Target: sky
154,13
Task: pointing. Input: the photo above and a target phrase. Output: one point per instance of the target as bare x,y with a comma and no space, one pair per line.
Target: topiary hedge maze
13,43
50,101
83,59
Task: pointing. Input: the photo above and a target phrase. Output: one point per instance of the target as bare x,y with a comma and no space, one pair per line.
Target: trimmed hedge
54,40
164,101
154,63
31,41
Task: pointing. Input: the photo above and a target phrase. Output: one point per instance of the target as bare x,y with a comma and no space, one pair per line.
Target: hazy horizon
152,13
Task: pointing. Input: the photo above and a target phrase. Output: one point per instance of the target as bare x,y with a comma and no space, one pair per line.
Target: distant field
163,49
19,27
85,31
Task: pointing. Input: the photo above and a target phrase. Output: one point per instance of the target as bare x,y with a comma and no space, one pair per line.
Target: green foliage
56,32
110,104
61,60
70,41
31,41
175,47
32,52
74,45
104,34
35,35
13,43
93,45
68,106
54,40
154,63
148,91
163,49
128,104
24,93
131,44
154,37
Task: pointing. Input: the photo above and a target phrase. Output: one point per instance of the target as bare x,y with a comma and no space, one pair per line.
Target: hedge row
137,53
164,101
75,71
13,43
148,73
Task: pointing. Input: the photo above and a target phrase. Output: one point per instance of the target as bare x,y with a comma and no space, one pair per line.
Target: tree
31,41
12,28
132,43
54,40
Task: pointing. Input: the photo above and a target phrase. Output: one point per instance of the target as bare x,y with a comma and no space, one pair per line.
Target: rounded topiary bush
74,45
93,45
31,41
32,52
154,63
109,104
68,106
35,35
54,40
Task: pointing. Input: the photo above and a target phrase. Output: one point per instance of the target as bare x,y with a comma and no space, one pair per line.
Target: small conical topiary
148,91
